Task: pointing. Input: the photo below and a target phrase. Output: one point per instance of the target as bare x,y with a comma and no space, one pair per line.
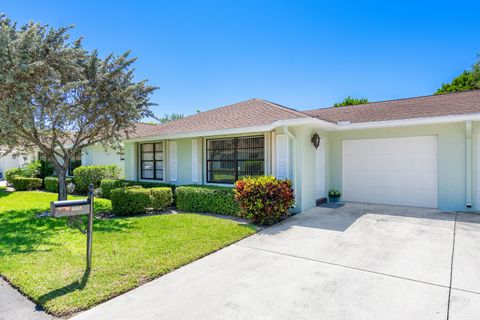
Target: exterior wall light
316,140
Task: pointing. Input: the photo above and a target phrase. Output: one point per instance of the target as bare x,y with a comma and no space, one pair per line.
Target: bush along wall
107,185
207,199
264,200
139,200
84,175
51,183
23,183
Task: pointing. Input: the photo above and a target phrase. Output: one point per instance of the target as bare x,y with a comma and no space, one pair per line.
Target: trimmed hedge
207,199
138,200
51,183
107,185
23,183
84,175
264,200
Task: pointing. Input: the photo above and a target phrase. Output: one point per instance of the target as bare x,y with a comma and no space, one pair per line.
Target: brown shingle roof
460,103
257,112
250,113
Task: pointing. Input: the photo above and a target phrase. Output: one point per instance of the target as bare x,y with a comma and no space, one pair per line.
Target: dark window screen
231,159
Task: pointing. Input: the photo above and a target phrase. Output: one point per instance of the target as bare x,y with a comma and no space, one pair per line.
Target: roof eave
328,126
409,122
232,131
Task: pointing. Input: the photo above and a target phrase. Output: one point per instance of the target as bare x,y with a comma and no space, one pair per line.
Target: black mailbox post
70,208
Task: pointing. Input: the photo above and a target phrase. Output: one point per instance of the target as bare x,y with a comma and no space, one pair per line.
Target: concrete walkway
14,306
353,262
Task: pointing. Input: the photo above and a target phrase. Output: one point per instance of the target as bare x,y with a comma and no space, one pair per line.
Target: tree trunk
62,184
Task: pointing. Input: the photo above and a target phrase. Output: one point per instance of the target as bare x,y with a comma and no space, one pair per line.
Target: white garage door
401,171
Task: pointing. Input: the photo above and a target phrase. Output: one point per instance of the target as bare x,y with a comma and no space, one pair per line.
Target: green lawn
46,260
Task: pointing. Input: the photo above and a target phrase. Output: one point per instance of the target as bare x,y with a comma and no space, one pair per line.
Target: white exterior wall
10,162
97,155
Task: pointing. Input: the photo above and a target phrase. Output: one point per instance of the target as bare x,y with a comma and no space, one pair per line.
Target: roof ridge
392,100
288,109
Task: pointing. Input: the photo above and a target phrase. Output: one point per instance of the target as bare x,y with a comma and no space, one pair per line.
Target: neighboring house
11,161
91,155
418,152
96,155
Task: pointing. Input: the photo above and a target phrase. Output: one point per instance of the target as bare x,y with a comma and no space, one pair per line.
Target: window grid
157,148
233,158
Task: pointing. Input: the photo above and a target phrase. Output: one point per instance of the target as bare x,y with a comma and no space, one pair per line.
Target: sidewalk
14,306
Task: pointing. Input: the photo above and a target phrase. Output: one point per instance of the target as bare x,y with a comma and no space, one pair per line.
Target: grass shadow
4,192
23,232
69,288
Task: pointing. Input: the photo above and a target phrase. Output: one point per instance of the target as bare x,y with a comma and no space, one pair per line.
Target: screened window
75,162
231,159
151,161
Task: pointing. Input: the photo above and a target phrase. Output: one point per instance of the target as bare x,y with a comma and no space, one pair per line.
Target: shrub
160,198
264,200
12,173
84,175
334,193
108,185
23,183
30,170
138,200
51,183
208,199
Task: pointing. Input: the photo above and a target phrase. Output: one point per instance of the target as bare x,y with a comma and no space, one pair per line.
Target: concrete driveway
354,262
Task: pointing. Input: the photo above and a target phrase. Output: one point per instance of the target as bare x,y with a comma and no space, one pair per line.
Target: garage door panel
416,145
404,196
399,171
417,181
409,162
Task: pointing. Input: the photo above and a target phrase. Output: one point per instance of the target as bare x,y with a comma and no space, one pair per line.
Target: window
231,159
151,161
75,162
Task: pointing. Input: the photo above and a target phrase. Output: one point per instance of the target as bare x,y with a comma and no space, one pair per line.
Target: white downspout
294,161
468,162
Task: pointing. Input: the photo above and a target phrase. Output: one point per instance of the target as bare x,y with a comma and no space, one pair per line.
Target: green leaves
57,97
207,199
84,175
265,199
349,101
467,80
138,200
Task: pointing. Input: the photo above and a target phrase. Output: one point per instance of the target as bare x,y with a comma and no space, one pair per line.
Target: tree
57,98
467,80
170,117
349,101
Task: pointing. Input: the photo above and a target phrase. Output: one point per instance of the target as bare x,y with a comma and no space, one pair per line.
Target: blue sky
303,54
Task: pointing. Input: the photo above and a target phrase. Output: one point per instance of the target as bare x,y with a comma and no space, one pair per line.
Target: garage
398,171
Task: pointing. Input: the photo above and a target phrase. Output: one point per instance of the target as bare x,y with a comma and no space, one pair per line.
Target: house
419,151
91,155
13,160
95,155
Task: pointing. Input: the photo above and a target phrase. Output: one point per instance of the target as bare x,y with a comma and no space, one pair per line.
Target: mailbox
68,208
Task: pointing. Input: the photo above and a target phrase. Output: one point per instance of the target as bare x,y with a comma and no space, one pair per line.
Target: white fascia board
201,134
409,122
